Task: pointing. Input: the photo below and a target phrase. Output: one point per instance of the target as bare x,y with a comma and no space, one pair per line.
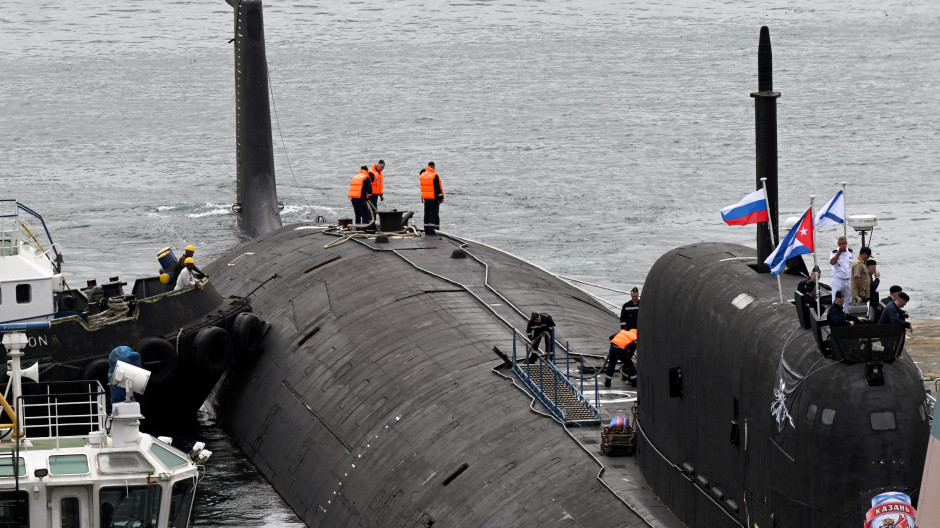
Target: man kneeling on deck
622,347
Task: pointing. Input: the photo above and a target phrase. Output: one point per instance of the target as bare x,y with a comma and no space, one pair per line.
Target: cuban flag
750,210
797,242
833,212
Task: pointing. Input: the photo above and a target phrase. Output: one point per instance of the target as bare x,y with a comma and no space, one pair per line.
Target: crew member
813,277
432,194
539,328
630,313
841,260
360,187
809,296
378,184
622,347
837,315
874,275
893,292
181,263
187,277
861,280
893,313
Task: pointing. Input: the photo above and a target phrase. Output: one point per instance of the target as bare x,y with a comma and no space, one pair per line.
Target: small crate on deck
618,438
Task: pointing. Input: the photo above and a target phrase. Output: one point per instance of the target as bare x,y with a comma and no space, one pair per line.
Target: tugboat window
130,506
70,513
883,421
828,415
811,412
10,515
24,293
181,503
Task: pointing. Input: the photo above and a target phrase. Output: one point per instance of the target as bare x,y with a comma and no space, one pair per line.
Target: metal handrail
557,375
14,231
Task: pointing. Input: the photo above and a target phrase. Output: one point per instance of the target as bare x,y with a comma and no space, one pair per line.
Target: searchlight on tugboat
65,462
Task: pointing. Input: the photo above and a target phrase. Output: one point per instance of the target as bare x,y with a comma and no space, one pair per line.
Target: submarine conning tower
256,196
743,420
765,129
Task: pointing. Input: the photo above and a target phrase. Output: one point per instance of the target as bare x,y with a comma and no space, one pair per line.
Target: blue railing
546,388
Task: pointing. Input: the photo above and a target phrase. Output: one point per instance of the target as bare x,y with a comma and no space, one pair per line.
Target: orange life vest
624,338
427,184
355,185
378,181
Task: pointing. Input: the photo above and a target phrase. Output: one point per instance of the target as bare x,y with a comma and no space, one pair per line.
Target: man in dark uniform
630,312
893,313
814,277
540,327
892,295
622,347
809,294
837,316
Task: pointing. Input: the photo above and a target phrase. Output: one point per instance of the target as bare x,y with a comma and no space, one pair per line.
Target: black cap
635,290
840,295
896,289
864,249
535,315
816,269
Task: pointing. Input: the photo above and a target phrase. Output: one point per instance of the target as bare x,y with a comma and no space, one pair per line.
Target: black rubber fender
212,350
97,370
159,357
247,330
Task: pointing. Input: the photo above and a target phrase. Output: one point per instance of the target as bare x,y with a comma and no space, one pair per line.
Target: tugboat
65,462
187,338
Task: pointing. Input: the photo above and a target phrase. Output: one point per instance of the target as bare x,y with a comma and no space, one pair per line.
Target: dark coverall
534,329
360,207
432,207
626,356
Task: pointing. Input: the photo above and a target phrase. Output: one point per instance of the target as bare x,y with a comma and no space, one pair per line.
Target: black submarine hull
724,451
376,402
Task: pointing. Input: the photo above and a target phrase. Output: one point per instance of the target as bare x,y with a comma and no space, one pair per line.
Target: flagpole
845,220
812,198
770,228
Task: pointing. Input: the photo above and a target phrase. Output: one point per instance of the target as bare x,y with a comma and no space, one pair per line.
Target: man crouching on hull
622,347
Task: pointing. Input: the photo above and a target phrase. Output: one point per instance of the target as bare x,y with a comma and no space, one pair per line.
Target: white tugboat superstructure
65,463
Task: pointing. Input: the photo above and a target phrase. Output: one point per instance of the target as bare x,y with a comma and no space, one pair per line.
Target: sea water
587,137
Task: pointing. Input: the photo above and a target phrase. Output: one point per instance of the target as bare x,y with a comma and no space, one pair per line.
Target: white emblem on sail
779,407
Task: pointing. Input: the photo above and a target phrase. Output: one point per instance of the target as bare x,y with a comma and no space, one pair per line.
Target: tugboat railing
546,388
72,413
10,209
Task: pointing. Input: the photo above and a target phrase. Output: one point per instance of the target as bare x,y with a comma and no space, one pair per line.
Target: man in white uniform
841,260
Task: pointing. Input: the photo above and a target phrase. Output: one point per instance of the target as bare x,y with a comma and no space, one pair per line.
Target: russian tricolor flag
750,210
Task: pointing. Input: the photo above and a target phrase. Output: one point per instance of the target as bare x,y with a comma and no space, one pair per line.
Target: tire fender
212,350
97,370
159,357
247,331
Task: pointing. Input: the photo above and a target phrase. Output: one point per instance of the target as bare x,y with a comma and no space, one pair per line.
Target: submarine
383,398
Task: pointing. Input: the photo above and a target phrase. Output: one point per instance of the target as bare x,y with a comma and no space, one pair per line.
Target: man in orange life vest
360,187
622,347
378,184
432,194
